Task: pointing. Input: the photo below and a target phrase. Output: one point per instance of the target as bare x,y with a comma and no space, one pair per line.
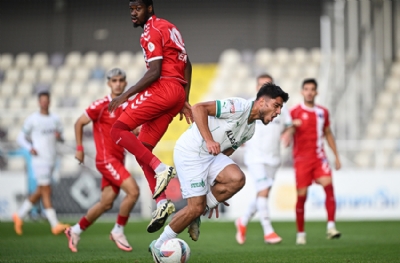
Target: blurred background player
161,94
109,162
40,134
263,158
206,174
311,123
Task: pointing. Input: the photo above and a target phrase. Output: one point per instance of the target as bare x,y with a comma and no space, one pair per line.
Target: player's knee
133,194
238,180
197,210
107,206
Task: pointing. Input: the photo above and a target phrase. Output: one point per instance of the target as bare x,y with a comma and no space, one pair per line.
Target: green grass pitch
360,242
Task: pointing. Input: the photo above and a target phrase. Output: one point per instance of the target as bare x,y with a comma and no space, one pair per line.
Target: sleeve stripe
218,112
155,58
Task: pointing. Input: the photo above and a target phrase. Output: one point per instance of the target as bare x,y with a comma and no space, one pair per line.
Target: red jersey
309,136
162,40
103,120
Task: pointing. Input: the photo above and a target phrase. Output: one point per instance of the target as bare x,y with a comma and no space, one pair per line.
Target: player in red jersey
310,162
109,162
161,94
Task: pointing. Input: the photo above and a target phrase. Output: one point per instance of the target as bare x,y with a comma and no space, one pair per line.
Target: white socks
118,229
251,210
77,229
25,208
161,202
211,201
167,234
262,208
161,167
331,224
51,216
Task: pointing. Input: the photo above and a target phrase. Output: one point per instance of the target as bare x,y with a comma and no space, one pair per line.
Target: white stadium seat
315,55
76,88
263,57
73,59
385,99
64,74
230,57
363,159
125,58
95,88
396,160
31,103
25,89
7,89
12,74
81,74
107,60
6,61
393,84
58,89
40,60
380,115
16,103
46,74
374,130
393,130
282,56
29,74
22,60
299,55
90,59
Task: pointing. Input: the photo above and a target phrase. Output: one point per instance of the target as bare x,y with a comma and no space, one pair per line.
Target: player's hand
213,147
59,137
216,210
338,165
33,152
116,102
80,156
187,112
297,122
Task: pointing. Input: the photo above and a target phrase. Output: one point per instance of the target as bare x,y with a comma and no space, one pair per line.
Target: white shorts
263,175
196,173
43,174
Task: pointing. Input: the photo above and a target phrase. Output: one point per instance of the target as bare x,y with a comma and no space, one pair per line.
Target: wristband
79,148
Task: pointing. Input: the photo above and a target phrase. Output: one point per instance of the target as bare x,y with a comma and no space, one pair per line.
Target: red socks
84,223
300,213
121,135
330,202
122,220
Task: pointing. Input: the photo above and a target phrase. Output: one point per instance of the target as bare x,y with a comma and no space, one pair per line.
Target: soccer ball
175,250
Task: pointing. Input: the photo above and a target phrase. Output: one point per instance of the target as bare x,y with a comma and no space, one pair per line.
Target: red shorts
154,108
310,169
114,173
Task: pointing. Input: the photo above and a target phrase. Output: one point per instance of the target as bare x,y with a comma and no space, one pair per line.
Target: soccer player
206,174
40,134
311,122
263,158
109,162
161,94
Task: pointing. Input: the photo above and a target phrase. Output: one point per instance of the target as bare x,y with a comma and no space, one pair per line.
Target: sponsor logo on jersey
232,108
304,116
232,139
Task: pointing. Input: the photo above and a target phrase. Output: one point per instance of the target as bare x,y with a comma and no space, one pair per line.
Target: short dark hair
43,93
272,91
145,2
308,81
265,76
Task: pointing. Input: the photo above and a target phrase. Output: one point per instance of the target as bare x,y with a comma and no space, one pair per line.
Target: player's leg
304,171
131,189
323,176
24,210
164,207
149,105
108,195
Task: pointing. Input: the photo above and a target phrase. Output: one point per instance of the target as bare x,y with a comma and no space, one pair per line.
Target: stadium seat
56,60
73,59
25,89
299,55
12,74
76,88
310,71
63,74
16,103
90,59
29,74
393,130
125,59
46,74
385,99
6,61
315,55
22,60
396,160
374,130
7,89
40,60
31,103
95,88
59,89
81,74
282,56
16,164
363,159
393,85
396,113
107,60
3,104
263,57
230,57
395,71
380,115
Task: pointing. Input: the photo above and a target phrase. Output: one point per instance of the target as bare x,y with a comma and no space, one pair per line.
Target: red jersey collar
304,107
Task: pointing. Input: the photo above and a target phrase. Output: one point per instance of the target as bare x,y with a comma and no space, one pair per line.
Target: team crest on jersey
112,115
232,108
151,46
304,116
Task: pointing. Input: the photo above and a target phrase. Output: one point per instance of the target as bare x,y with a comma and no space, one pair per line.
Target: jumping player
310,162
206,174
161,94
109,162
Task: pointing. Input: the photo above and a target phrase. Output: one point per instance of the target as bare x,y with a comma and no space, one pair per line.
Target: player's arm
59,131
200,112
229,151
151,75
79,124
332,144
187,109
25,143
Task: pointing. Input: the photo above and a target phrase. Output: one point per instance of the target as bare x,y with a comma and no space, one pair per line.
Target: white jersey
39,133
229,127
265,146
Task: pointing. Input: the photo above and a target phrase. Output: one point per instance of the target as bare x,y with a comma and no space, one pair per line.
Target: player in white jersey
262,158
206,174
39,136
